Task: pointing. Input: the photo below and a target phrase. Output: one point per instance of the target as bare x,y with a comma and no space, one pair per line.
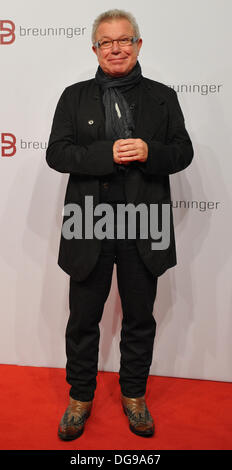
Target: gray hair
115,15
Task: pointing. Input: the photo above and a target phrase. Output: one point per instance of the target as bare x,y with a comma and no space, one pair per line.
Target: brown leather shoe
73,421
140,420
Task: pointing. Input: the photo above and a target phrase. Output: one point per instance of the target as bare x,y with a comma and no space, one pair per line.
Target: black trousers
137,289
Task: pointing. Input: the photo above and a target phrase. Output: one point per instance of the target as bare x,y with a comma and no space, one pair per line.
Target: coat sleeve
177,153
64,155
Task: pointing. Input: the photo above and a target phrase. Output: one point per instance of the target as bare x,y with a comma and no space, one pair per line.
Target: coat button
90,122
105,185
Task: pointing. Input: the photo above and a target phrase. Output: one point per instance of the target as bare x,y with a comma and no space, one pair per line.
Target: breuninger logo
8,32
150,219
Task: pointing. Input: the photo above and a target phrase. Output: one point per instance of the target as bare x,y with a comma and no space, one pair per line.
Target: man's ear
139,44
94,49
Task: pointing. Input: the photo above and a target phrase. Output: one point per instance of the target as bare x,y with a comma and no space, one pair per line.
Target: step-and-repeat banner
46,46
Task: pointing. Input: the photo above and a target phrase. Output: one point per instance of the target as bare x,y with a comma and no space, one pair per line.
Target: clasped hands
129,150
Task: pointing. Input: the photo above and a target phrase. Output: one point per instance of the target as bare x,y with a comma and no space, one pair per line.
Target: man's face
116,61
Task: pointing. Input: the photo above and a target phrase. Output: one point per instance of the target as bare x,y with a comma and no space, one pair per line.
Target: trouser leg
87,299
137,288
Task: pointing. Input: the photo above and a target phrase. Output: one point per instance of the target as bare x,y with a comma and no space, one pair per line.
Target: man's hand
129,150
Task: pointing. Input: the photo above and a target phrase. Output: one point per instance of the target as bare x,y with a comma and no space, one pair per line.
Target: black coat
77,146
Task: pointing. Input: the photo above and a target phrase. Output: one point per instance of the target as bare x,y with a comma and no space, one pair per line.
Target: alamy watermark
154,222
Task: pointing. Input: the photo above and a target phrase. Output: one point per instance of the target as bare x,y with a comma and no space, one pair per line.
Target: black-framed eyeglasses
122,42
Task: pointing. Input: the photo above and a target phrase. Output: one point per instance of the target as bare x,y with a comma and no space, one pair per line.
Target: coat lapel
98,113
91,118
151,113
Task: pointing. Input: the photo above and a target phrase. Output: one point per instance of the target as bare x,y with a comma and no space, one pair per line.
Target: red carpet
188,414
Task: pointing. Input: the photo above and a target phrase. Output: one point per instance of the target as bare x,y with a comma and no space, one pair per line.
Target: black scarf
118,117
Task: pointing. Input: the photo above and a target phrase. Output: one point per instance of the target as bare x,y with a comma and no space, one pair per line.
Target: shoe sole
71,437
139,433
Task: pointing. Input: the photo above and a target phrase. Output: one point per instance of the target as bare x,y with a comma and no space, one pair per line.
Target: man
119,135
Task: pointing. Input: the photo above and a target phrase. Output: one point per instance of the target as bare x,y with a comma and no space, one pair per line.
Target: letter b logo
7,29
7,145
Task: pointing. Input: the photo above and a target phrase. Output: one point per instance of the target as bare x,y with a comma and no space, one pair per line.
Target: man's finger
127,153
124,142
129,159
125,148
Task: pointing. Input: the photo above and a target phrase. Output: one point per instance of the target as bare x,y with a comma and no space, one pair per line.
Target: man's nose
115,47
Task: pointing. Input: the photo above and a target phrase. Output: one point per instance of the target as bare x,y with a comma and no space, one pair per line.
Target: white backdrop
187,46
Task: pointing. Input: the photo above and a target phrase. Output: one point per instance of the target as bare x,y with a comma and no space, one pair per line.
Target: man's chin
118,70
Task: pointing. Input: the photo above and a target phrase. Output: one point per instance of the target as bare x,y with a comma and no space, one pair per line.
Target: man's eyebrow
122,35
